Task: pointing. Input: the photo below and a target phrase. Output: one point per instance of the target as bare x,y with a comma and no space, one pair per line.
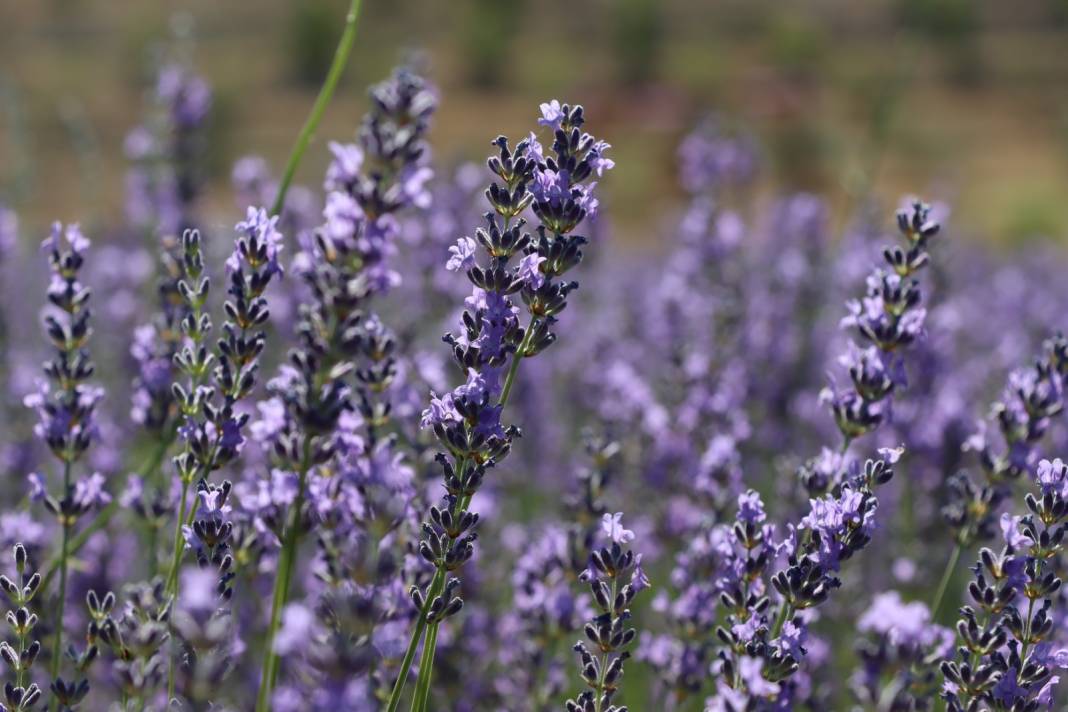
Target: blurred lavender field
677,397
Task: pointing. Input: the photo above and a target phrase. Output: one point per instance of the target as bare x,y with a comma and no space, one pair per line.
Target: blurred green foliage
797,44
638,39
490,27
312,36
885,95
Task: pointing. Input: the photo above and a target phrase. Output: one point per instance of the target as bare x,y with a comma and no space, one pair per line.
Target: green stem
951,566
172,576
506,390
1027,634
57,648
179,544
282,582
337,67
436,585
20,675
784,613
104,517
426,670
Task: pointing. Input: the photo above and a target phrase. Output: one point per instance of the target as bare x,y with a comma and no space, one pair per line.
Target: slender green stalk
426,670
57,648
283,579
282,582
951,566
509,379
171,586
437,585
1027,630
785,612
104,516
333,76
179,543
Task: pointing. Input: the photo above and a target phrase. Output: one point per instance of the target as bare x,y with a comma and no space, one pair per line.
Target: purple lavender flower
1004,658
329,424
614,578
213,428
1032,397
491,343
167,153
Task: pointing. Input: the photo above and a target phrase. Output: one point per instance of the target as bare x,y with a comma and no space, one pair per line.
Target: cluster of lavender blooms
1008,650
305,549
493,341
65,404
336,469
615,577
1032,397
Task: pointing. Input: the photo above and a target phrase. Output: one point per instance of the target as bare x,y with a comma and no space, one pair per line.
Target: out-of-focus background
962,99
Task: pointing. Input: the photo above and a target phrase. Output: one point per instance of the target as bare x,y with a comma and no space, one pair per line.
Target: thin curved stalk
326,93
61,603
951,566
426,672
282,582
104,517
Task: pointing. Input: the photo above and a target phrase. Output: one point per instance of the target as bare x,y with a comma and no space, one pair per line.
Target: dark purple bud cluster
1032,398
213,429
66,421
66,402
615,577
1006,657
492,342
889,318
20,692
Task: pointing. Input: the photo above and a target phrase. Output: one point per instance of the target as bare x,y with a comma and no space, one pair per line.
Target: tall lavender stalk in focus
217,381
65,404
615,577
1006,659
488,350
1031,398
327,389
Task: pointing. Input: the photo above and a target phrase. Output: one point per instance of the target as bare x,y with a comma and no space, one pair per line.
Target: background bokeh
963,99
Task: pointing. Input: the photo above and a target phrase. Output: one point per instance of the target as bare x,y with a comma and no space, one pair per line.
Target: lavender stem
326,93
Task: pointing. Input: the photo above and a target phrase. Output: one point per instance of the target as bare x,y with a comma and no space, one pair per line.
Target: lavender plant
615,577
759,659
65,404
22,693
345,488
1032,397
1006,658
467,421
330,395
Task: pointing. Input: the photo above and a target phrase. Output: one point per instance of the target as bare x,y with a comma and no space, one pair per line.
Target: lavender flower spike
345,359
66,405
214,428
615,577
492,342
1005,660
